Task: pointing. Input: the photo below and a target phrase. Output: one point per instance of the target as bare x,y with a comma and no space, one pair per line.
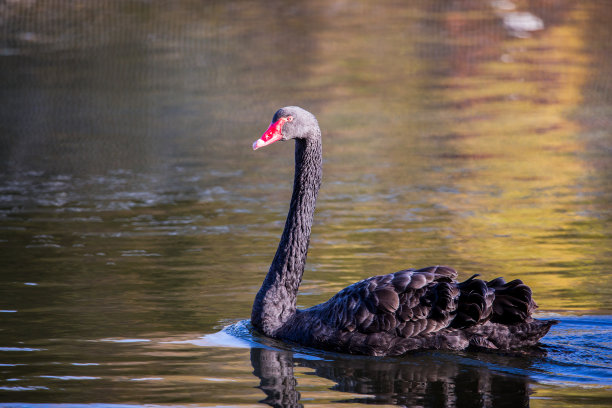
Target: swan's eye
289,118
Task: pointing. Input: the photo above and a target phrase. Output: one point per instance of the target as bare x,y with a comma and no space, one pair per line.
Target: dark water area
137,224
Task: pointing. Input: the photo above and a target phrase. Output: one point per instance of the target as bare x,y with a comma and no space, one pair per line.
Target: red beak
273,134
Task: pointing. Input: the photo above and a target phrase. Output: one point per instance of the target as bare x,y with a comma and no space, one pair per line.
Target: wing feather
406,303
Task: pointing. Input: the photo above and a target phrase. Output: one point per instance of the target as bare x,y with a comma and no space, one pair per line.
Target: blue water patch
579,352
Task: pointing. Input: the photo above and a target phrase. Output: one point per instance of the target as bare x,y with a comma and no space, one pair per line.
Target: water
136,223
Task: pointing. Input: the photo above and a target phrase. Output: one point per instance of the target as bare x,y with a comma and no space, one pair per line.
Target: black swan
383,315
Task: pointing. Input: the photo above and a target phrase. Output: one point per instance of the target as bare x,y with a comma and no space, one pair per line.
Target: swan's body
382,315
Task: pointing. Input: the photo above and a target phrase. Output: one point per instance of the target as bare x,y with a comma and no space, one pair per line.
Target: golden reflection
527,95
481,130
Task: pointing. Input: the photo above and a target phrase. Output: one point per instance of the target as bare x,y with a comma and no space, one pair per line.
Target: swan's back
420,309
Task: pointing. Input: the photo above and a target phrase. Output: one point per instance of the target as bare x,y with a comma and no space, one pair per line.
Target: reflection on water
577,352
433,381
134,217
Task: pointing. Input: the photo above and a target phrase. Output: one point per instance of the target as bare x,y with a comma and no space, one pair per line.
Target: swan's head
291,122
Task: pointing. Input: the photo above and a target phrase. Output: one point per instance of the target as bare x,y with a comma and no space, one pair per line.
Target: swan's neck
275,302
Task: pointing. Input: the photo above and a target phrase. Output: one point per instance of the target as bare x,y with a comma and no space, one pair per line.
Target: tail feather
497,300
513,301
475,303
497,314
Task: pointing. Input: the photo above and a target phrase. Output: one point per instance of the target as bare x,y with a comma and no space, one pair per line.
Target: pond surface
136,222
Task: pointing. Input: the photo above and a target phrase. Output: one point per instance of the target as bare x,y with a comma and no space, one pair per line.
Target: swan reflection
422,380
